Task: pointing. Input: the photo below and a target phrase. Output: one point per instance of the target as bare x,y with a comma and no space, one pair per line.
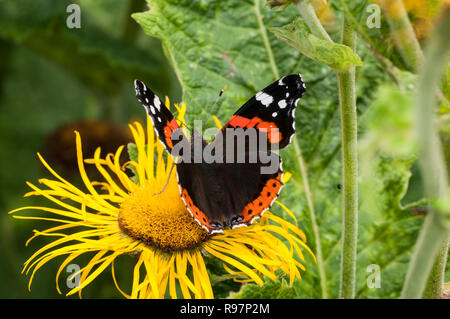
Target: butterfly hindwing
256,191
162,119
234,193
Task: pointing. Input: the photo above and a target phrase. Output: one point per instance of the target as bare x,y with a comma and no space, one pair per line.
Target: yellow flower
123,215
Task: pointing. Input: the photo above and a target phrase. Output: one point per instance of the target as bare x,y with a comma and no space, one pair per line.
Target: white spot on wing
282,104
157,103
264,98
290,139
274,114
293,119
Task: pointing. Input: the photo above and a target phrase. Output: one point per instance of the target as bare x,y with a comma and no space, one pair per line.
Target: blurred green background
53,80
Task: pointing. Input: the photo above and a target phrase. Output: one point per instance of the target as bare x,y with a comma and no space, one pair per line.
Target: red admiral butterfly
225,192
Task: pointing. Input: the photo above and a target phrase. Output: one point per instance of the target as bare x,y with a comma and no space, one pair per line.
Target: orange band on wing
268,195
173,124
168,130
273,133
194,210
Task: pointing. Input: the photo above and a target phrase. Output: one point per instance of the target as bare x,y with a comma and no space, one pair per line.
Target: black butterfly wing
272,109
228,193
251,191
162,119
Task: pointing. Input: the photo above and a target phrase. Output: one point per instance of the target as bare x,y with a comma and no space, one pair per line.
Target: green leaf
214,45
335,55
133,154
387,230
196,35
389,124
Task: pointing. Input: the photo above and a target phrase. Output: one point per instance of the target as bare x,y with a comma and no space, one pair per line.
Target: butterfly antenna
167,182
213,108
184,124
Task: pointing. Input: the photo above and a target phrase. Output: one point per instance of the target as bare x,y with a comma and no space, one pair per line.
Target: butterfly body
229,187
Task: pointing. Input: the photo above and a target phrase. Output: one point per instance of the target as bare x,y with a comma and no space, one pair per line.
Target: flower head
145,215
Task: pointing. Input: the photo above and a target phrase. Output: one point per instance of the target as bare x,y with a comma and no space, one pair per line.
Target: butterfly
232,193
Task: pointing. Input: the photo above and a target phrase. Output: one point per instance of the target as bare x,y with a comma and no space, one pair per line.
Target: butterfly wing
254,194
227,193
162,119
272,110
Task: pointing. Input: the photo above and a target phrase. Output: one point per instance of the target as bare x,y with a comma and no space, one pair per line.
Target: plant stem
403,33
434,232
312,215
433,289
404,36
265,38
347,100
431,237
308,14
391,70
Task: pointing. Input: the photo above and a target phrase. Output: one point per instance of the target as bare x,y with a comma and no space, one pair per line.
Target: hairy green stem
391,70
431,237
308,14
403,33
433,289
404,37
347,98
434,233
